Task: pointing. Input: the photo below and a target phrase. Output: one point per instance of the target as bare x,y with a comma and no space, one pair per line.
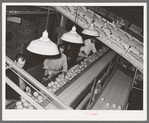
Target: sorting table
68,95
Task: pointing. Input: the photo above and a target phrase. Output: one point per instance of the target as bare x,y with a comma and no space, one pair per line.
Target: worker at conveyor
54,65
20,61
88,48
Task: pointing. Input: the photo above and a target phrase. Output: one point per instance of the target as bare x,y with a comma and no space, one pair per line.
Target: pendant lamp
91,31
43,45
72,36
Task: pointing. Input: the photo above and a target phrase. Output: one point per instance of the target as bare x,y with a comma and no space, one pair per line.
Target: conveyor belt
116,92
70,93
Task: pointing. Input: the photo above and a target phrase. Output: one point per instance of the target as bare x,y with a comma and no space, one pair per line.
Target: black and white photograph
76,61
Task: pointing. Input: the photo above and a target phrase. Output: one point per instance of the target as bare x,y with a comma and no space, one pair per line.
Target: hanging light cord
76,15
47,18
94,15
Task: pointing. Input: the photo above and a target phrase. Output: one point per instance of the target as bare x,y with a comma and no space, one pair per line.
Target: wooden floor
116,92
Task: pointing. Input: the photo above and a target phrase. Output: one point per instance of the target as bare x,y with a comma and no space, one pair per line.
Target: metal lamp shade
72,36
91,31
43,46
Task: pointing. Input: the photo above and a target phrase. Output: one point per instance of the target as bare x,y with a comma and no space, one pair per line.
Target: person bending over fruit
55,64
88,48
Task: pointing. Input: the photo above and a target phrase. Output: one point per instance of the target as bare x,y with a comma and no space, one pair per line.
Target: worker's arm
22,84
45,64
93,48
82,52
65,65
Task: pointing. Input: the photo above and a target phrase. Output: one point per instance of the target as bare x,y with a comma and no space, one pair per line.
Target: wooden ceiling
133,14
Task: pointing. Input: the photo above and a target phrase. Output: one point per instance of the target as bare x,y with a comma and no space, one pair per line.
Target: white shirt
88,47
54,65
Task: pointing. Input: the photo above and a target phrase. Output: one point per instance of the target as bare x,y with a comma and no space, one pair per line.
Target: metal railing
29,79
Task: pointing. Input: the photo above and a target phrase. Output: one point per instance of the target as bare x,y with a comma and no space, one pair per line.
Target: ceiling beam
45,7
27,12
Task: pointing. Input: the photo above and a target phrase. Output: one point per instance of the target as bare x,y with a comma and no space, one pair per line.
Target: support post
62,26
134,78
